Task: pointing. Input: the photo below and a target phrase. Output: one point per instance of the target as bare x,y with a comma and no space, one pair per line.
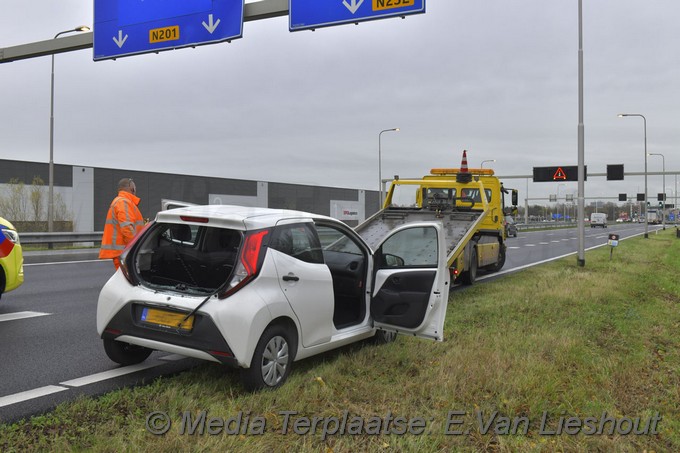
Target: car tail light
188,218
248,263
124,265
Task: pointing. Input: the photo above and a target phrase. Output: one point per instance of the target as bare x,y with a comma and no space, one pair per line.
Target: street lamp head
396,129
77,29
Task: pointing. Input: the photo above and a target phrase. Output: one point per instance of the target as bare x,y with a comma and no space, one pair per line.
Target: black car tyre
272,360
501,260
384,337
470,275
126,353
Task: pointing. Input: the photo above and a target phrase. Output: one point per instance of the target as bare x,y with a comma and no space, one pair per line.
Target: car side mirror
393,260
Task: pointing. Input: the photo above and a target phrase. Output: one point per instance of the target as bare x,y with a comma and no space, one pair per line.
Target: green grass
555,340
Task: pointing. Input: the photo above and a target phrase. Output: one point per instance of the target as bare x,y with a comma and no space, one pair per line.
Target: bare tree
61,211
37,197
13,205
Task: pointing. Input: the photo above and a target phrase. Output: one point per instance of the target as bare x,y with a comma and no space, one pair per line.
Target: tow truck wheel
501,260
470,275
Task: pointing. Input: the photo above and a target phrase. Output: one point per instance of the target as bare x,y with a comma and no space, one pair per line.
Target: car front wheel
384,337
272,360
125,353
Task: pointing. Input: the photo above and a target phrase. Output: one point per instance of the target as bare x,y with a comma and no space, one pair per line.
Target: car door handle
290,278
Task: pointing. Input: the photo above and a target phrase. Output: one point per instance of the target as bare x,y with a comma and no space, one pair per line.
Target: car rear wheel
272,360
126,353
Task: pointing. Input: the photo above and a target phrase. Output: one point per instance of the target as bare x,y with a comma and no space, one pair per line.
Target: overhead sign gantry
311,14
130,27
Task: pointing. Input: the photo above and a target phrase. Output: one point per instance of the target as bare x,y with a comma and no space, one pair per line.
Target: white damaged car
259,288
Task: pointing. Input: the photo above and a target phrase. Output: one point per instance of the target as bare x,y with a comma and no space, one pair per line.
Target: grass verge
527,358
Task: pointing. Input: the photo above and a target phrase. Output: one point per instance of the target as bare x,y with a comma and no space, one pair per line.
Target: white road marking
556,242
526,266
79,382
104,375
68,262
30,394
514,248
529,245
22,315
544,243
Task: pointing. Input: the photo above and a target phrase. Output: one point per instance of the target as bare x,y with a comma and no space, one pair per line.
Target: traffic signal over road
561,173
615,173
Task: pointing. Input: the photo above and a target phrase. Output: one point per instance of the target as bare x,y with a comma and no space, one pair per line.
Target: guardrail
544,225
60,238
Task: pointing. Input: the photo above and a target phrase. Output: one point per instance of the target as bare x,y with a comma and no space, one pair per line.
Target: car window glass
299,242
412,247
335,240
475,195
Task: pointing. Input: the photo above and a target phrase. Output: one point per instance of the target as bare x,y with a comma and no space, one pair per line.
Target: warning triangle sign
560,174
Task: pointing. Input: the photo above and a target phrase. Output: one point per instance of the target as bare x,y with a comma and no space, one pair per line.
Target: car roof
237,217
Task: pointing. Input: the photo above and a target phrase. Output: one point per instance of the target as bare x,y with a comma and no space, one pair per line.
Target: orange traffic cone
464,176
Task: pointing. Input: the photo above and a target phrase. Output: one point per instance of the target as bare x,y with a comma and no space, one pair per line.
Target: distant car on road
510,226
11,258
598,219
258,288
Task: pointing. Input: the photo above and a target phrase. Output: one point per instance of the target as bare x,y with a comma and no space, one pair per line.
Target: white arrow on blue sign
130,27
311,14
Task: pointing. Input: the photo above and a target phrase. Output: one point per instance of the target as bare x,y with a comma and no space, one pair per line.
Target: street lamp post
380,184
621,115
558,200
663,202
488,160
50,196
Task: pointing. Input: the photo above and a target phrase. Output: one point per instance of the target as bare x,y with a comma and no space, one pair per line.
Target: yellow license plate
167,318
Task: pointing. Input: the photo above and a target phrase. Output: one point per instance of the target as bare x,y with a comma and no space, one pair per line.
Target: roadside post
613,241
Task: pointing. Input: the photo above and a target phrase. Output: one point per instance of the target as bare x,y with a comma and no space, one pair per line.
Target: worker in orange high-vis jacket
123,222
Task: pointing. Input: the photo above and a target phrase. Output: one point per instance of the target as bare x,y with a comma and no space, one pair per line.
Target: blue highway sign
130,27
311,14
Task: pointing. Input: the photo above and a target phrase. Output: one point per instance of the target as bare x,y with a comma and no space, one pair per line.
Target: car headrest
181,232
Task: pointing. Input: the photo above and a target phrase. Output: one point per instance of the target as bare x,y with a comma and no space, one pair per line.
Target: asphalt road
50,351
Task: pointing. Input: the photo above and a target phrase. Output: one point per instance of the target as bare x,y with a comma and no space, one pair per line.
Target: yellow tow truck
469,202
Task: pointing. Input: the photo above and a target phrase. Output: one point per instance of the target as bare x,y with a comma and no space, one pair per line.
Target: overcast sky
495,77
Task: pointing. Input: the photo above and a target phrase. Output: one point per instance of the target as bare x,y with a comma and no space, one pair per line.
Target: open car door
411,281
